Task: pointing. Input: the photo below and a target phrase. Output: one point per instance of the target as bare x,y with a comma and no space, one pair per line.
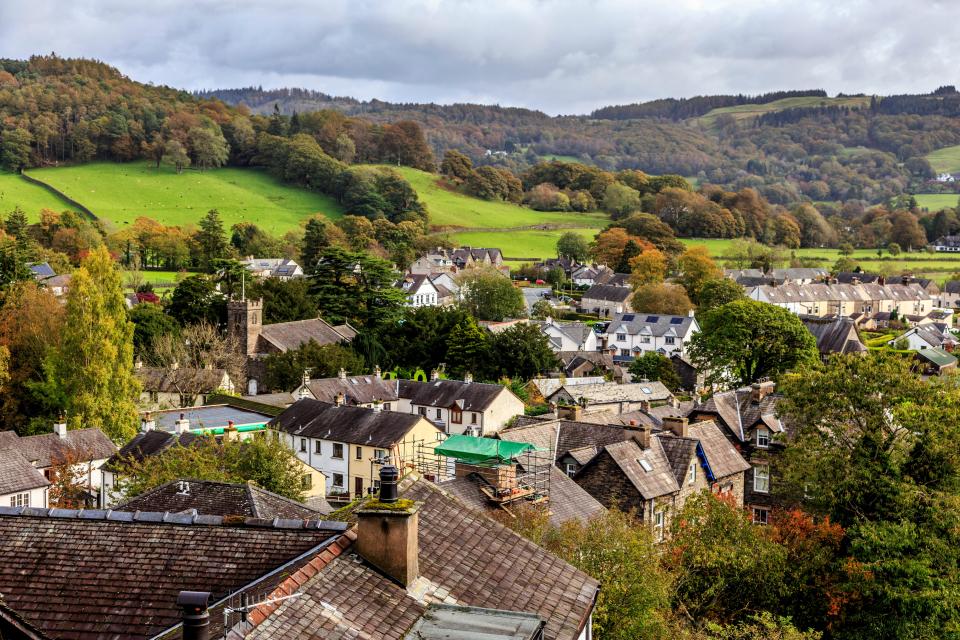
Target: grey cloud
562,56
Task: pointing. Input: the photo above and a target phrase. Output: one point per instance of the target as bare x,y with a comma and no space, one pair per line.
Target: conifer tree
212,240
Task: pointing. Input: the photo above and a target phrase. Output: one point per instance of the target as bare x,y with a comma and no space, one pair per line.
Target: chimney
138,364
60,427
182,425
231,434
641,436
194,613
572,412
387,534
377,373
339,400
377,406
434,375
645,406
468,377
677,425
148,423
305,378
343,373
760,390
174,365
690,313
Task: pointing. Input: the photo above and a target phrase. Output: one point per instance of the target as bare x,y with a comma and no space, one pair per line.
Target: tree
265,461
469,350
650,267
541,309
16,224
609,246
284,371
196,300
316,238
893,249
696,268
198,346
668,299
174,153
656,367
846,249
356,288
905,231
718,292
619,200
523,351
209,148
745,340
487,295
93,369
573,246
283,300
15,149
149,323
211,240
650,228
456,165
422,338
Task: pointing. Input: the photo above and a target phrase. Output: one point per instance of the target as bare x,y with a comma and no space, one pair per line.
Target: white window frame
761,480
658,521
692,472
670,340
338,485
765,443
317,448
570,469
761,516
334,453
621,337
20,500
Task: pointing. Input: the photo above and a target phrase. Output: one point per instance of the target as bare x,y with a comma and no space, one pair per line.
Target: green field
520,244
946,159
156,277
559,158
744,111
450,210
17,192
937,201
120,193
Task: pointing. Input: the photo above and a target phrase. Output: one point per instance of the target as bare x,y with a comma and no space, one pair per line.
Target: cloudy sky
561,56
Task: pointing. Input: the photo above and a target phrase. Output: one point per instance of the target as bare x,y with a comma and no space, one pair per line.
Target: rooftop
353,425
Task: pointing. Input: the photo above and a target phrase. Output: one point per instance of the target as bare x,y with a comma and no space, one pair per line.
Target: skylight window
628,317
653,318
645,389
676,320
645,465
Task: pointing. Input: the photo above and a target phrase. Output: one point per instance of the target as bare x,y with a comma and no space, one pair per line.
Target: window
571,469
473,418
645,340
761,478
439,415
376,486
338,450
380,454
20,500
670,340
621,337
422,411
625,353
456,416
658,525
763,438
692,473
761,516
307,481
359,453
303,445
338,480
316,447
440,435
386,406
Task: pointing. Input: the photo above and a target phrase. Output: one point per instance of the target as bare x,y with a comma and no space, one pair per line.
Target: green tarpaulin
477,450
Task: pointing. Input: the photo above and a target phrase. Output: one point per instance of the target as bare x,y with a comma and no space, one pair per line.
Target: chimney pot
340,399
677,425
377,373
195,615
468,377
60,428
343,373
434,375
182,425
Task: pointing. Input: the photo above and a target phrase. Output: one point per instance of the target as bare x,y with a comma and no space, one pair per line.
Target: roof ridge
190,517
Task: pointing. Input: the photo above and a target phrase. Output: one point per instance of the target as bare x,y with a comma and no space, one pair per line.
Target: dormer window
456,415
763,438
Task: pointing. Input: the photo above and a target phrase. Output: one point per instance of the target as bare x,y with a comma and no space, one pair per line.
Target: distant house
799,275
926,336
280,268
946,244
173,387
41,271
474,408
606,300
945,177
576,364
567,265
587,276
420,290
21,484
353,391
630,335
539,389
453,260
691,377
834,335
569,336
936,361
611,397
950,295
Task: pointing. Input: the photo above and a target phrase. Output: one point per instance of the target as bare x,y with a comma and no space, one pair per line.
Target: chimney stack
377,406
468,377
434,375
195,615
760,390
148,423
340,399
677,425
343,373
572,412
60,427
182,425
642,435
388,537
377,373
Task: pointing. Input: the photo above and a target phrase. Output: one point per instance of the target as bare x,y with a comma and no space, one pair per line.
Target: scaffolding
506,472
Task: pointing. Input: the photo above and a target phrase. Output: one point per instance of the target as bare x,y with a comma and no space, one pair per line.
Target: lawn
17,192
528,245
937,201
451,210
120,193
744,111
946,159
156,277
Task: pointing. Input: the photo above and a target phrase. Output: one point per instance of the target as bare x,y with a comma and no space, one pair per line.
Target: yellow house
350,444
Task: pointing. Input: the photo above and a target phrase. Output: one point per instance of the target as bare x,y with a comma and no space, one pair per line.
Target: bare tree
197,348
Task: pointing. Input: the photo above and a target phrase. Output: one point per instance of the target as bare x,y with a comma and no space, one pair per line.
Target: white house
925,336
21,484
420,290
569,336
629,335
606,299
946,243
281,268
474,408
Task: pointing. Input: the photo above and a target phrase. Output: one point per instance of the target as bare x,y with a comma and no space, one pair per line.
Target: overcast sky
560,56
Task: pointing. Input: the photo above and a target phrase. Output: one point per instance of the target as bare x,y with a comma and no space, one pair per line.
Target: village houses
630,335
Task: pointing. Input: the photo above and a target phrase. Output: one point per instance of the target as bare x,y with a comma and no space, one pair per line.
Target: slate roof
355,389
465,558
659,481
287,336
281,400
573,359
218,499
183,379
736,411
149,443
608,392
952,286
793,293
352,425
577,332
722,457
82,445
17,474
834,335
652,324
92,574
607,292
472,396
547,386
679,452
8,438
565,436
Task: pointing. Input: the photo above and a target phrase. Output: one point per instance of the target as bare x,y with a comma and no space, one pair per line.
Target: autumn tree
176,154
609,246
92,372
696,268
210,150
650,267
663,298
197,346
456,165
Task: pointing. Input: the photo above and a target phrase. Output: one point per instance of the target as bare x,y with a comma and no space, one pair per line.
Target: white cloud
558,55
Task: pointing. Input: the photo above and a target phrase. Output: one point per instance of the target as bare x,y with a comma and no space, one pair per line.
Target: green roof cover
938,356
476,450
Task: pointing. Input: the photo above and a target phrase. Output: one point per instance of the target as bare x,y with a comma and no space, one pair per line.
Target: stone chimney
760,390
174,365
138,364
182,425
388,532
60,427
148,423
641,435
468,377
434,375
342,374
194,614
340,399
230,433
645,406
377,373
677,425
572,412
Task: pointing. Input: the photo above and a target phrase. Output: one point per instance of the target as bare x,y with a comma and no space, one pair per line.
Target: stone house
606,300
174,387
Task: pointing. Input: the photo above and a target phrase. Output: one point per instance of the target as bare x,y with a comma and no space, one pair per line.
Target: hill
120,193
946,159
17,192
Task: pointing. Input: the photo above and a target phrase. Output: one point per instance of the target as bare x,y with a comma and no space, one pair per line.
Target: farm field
535,244
120,193
743,111
946,159
449,209
17,192
937,201
155,277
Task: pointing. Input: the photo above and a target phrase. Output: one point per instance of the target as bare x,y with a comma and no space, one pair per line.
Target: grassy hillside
17,192
528,246
744,111
120,193
946,159
937,201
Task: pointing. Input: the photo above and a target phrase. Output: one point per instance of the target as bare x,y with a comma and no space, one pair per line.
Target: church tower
244,323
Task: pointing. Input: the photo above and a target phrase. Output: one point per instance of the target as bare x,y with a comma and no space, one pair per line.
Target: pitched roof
565,436
82,445
469,396
736,411
834,335
465,558
287,336
607,392
547,386
722,457
937,356
660,480
17,474
444,621
952,286
355,389
652,324
180,380
149,443
98,574
42,270
218,499
353,425
607,292
679,452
